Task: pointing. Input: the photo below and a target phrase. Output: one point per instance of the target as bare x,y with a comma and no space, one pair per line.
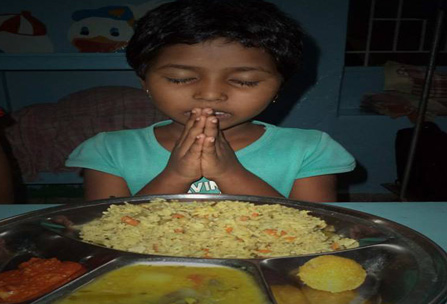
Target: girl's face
236,82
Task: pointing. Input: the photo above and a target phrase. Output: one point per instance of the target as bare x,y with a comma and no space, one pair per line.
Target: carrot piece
271,232
264,250
155,247
178,215
290,238
179,230
229,229
255,214
130,220
283,232
244,218
207,253
335,246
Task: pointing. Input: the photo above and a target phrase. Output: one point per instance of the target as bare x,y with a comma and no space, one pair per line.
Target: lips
222,115
218,114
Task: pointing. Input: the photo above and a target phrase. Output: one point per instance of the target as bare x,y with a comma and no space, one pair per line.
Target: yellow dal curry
175,284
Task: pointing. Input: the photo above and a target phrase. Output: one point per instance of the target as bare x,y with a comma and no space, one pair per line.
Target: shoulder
125,137
112,142
106,141
296,136
106,150
307,143
303,135
121,136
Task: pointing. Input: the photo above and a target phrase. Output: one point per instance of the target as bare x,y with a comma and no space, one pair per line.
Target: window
397,30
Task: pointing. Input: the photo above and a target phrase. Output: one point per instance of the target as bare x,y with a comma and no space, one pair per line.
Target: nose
210,90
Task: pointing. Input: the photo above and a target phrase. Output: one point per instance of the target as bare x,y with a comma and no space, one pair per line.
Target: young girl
212,66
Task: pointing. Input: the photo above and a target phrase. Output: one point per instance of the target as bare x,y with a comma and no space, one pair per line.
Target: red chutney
35,278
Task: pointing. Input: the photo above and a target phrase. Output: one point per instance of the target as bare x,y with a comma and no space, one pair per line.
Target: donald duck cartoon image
103,30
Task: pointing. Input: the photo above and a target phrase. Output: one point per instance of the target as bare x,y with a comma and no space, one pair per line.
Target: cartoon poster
106,29
103,30
23,33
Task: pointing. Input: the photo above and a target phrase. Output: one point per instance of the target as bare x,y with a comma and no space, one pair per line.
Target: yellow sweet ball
332,273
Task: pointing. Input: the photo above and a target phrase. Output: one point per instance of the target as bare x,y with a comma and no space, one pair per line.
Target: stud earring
274,99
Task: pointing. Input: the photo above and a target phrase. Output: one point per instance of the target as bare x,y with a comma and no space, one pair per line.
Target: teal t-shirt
279,157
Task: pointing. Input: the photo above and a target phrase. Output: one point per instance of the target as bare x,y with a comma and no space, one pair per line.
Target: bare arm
101,185
166,183
322,188
243,182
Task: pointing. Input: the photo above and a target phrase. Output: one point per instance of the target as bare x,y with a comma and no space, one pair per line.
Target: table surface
428,218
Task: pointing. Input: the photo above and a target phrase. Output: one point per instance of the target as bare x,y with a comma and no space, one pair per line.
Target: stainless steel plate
404,267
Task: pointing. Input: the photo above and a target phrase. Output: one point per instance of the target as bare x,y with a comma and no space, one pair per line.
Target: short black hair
253,23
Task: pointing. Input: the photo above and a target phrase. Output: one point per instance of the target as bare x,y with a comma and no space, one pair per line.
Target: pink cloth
402,93
45,134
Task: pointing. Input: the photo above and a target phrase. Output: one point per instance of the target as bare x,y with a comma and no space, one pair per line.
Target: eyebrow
248,69
177,66
192,68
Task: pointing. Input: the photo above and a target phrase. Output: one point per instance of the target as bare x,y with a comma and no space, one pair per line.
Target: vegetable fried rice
224,229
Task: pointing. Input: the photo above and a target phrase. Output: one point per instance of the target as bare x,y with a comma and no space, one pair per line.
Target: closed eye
245,83
180,80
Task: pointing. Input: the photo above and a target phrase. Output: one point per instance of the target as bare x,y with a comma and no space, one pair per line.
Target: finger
211,126
193,122
195,113
222,144
191,136
196,148
208,111
209,145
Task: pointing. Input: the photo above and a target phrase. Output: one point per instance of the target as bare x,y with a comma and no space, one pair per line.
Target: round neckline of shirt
269,130
153,138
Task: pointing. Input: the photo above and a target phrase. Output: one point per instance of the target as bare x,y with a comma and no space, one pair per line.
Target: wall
332,102
323,96
370,137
